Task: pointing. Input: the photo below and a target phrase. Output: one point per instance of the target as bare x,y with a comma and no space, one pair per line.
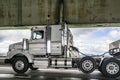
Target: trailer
52,47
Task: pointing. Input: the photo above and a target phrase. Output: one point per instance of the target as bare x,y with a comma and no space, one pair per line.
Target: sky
87,40
8,37
95,40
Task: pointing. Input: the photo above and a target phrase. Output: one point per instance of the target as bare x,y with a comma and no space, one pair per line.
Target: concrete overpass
76,12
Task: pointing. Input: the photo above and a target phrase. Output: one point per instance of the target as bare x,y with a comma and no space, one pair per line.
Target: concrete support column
19,12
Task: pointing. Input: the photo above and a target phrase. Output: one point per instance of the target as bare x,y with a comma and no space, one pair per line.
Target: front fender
13,53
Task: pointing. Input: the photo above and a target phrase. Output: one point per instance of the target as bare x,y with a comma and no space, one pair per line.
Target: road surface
6,73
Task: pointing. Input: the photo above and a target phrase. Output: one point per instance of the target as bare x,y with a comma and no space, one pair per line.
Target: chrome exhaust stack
48,40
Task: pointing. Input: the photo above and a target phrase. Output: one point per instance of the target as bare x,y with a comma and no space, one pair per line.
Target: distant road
2,58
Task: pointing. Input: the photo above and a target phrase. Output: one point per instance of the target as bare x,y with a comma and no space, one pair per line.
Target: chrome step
41,62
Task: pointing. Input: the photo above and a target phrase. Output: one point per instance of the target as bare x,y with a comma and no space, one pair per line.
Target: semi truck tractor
52,46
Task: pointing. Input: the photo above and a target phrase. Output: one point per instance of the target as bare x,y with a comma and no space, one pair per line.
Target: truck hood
17,45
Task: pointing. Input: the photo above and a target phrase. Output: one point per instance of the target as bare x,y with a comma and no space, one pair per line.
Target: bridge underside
81,13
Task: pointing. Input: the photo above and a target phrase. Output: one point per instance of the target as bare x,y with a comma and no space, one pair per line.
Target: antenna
48,19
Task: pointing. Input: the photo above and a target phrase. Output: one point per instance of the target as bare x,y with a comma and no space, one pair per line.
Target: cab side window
39,34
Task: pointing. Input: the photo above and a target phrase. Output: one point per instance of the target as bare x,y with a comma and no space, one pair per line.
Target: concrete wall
35,12
28,12
8,12
91,11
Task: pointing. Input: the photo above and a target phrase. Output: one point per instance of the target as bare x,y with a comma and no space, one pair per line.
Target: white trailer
52,47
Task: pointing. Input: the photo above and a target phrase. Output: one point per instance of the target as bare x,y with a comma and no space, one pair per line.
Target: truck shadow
7,73
61,75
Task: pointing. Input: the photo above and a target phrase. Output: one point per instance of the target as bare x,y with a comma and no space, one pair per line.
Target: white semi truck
52,47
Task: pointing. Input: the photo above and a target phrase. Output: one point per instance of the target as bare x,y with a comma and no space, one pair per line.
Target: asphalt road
6,73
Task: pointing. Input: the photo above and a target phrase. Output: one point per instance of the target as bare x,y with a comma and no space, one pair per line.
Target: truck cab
46,41
46,45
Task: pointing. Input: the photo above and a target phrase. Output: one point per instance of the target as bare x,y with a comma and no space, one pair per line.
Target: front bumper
7,61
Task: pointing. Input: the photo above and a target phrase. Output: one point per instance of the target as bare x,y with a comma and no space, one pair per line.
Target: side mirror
25,44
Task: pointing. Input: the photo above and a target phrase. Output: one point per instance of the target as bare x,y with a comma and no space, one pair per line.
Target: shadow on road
52,74
61,75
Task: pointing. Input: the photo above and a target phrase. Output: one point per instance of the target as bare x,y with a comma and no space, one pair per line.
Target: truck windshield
39,34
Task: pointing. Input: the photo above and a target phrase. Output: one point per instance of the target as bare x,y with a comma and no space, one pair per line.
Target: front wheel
111,68
20,64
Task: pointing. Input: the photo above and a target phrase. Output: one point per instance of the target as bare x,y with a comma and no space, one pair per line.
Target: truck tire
100,66
111,68
33,68
20,64
87,64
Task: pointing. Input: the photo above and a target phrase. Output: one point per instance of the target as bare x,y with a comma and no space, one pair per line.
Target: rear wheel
87,64
100,66
20,64
111,68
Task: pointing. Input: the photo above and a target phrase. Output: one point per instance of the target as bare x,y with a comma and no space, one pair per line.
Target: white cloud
4,46
14,34
8,37
94,46
114,33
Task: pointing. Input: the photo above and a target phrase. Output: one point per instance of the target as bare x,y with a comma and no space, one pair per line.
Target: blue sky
88,40
103,33
95,40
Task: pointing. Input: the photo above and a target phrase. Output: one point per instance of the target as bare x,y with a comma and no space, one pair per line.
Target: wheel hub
19,65
87,65
112,68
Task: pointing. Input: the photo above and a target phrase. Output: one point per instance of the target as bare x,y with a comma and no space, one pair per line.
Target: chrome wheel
112,68
87,65
19,65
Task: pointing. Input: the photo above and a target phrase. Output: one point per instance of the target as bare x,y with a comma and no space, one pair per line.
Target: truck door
37,45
